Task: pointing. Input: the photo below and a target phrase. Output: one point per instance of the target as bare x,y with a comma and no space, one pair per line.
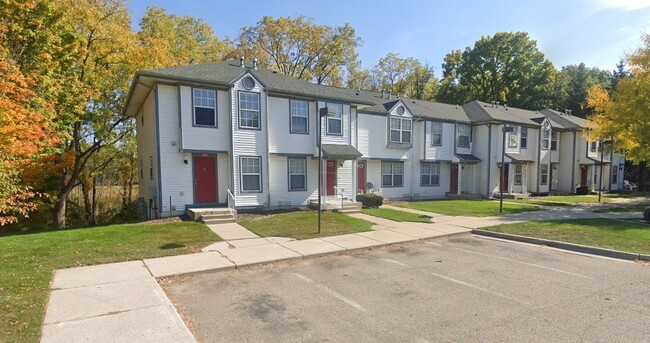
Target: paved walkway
122,302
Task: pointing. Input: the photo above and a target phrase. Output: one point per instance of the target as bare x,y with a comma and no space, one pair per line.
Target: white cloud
625,5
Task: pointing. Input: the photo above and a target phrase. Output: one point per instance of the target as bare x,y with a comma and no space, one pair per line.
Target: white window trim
523,138
259,115
542,174
289,173
553,148
392,174
434,133
458,135
401,130
194,106
291,115
430,174
241,174
520,174
546,139
337,117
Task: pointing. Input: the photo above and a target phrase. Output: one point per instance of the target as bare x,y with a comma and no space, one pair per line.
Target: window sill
402,186
399,145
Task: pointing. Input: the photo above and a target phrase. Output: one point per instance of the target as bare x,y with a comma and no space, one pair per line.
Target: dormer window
400,130
513,140
249,110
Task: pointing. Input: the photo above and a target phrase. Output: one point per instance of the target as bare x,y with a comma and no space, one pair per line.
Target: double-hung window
299,116
524,137
249,110
518,174
546,135
429,174
392,174
614,175
544,179
297,174
553,140
436,134
205,107
513,140
593,146
251,174
335,122
463,135
400,130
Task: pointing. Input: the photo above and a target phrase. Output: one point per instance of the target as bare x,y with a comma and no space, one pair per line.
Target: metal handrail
340,193
231,205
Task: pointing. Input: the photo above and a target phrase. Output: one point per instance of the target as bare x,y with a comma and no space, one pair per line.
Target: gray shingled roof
565,121
223,73
418,108
481,112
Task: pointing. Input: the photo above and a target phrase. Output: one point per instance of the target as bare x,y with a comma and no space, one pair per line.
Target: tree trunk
59,210
85,190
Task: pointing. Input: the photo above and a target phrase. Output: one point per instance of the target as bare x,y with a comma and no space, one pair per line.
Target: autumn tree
170,40
507,67
574,81
406,77
300,48
623,116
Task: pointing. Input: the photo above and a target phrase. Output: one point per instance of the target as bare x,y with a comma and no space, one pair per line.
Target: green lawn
398,216
576,199
471,208
603,233
304,224
29,261
628,208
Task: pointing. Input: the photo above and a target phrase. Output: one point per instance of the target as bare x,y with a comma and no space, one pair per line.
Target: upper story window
436,134
553,140
249,110
205,107
513,140
400,130
593,146
463,134
335,122
546,135
299,116
524,137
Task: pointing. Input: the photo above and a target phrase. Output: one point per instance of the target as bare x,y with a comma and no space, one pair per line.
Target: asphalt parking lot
458,289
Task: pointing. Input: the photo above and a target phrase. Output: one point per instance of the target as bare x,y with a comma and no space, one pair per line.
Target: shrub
370,200
646,214
582,190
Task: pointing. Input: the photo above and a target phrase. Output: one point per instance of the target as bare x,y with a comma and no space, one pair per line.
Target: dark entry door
506,171
205,179
453,182
583,176
331,177
361,176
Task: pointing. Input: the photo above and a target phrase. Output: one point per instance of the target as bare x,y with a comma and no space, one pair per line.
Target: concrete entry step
211,215
218,221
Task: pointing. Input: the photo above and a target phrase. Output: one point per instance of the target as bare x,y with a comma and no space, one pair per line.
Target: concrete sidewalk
122,302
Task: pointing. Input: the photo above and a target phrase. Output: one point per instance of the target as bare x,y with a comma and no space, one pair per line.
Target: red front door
506,171
361,176
453,183
331,177
583,176
205,179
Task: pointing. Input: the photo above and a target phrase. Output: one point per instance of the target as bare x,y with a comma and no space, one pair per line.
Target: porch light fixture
323,112
504,129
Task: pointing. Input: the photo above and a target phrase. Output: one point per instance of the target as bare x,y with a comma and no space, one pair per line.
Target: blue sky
596,32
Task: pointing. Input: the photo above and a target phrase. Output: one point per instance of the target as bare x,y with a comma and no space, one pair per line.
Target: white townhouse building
230,133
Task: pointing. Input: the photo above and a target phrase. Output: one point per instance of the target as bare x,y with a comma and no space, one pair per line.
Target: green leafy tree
624,116
300,48
575,80
507,67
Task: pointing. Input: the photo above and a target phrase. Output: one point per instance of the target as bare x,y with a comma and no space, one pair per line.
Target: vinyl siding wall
147,149
204,138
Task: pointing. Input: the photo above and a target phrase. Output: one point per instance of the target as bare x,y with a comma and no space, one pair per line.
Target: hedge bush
582,190
370,200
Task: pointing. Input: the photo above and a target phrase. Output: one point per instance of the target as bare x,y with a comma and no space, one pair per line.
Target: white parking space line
479,288
431,243
332,293
396,262
525,263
